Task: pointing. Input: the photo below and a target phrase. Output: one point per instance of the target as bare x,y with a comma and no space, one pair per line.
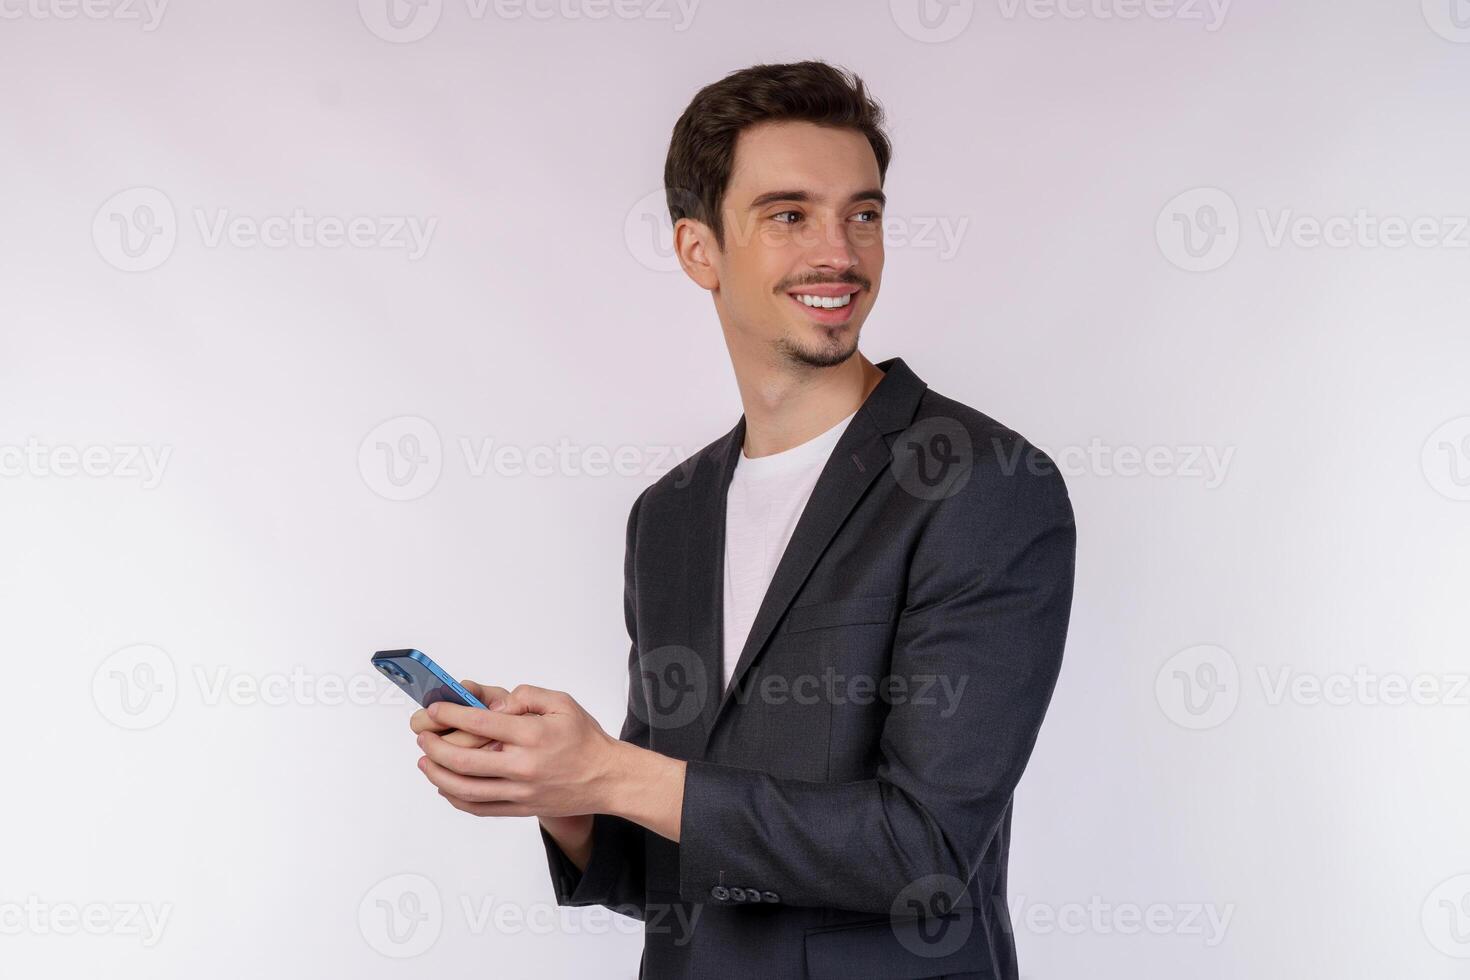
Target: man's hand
553,760
420,721
572,833
538,753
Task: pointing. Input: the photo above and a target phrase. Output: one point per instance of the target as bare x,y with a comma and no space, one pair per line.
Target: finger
468,740
488,809
471,788
485,693
465,760
536,700
502,727
420,721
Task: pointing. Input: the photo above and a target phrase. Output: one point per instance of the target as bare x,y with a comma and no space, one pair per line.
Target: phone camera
394,671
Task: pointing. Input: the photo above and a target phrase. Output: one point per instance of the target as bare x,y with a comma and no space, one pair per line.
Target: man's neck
785,408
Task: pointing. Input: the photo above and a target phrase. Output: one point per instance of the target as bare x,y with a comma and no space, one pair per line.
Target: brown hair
702,150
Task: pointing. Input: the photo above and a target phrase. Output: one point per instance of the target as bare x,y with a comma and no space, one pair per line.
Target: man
847,615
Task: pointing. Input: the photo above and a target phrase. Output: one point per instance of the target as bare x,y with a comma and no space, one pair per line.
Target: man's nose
830,247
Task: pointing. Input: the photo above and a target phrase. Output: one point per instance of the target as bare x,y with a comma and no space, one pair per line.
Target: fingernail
421,739
496,705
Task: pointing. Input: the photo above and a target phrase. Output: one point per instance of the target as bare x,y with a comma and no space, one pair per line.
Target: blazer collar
889,407
862,452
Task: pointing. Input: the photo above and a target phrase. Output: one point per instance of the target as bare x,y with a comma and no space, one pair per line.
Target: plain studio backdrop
336,327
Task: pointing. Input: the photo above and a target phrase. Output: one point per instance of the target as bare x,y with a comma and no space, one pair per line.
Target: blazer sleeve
614,875
987,606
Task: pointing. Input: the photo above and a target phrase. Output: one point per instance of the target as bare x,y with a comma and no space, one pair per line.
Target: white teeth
826,302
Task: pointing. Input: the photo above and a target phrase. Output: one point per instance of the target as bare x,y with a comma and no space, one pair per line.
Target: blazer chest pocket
853,611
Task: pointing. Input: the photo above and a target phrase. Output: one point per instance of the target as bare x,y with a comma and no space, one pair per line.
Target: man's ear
694,243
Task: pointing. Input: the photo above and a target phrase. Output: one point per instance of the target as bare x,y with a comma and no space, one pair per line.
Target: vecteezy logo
1446,459
401,916
402,458
1450,19
932,21
1446,917
136,687
933,458
1199,230
1198,687
648,228
135,230
931,917
648,233
400,21
672,681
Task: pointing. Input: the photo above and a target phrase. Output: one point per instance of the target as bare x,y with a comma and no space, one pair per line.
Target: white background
266,824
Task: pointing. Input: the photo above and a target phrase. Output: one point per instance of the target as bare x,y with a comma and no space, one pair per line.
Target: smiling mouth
822,302
826,311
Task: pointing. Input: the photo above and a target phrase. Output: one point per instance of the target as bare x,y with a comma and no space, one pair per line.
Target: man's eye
778,217
876,216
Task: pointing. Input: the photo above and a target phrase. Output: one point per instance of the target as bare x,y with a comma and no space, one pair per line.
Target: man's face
803,217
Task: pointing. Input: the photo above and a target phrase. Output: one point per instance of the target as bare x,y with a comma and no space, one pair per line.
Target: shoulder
992,466
673,491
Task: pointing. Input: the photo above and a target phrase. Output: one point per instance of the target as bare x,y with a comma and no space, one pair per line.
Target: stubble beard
831,351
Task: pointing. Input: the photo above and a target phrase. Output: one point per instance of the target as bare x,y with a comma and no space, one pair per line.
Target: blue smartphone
422,679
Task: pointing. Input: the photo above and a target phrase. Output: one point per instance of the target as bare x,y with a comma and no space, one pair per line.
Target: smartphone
422,679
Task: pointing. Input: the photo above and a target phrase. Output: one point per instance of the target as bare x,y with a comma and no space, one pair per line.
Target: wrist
573,835
646,788
624,771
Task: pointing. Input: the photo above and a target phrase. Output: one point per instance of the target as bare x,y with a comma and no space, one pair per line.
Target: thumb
466,740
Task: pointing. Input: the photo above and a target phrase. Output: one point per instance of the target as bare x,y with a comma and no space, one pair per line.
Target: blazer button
737,894
770,897
719,893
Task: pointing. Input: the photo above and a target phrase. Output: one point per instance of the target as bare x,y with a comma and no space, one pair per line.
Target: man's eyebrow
804,197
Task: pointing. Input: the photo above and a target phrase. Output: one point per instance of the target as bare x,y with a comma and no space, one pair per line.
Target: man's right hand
420,721
573,834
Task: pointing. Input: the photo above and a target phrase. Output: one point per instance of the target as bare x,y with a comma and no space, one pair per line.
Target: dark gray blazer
847,804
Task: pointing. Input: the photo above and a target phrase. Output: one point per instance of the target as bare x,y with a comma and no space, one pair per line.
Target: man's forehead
821,160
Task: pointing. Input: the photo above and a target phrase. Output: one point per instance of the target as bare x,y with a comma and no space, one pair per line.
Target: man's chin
832,349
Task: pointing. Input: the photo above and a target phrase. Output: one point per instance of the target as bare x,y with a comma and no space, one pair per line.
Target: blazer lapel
704,566
861,454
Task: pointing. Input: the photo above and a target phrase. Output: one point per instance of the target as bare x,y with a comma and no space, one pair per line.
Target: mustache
850,280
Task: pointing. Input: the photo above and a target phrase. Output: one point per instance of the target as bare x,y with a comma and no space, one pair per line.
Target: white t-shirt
764,502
